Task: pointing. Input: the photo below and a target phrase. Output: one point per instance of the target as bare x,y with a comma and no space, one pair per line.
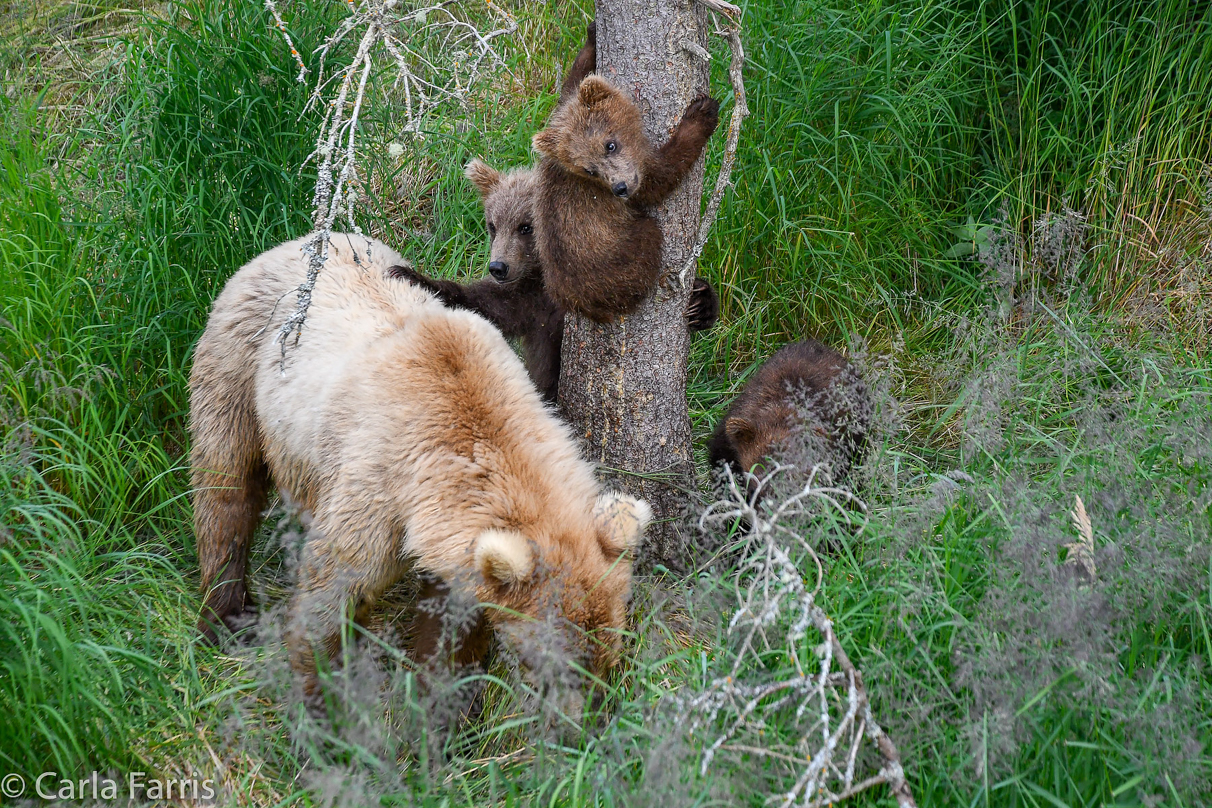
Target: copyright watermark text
52,787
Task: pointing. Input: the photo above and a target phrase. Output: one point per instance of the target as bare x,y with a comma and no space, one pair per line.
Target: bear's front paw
703,308
406,273
242,625
704,111
591,34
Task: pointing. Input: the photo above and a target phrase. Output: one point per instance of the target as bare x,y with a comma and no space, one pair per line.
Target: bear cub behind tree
514,299
599,175
806,405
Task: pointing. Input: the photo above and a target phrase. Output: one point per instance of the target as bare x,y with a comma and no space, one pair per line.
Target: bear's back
470,422
388,384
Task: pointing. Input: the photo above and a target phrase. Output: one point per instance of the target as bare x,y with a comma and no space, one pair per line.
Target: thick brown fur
514,298
412,435
803,386
598,177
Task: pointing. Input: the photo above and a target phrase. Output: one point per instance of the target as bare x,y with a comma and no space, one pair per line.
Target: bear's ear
622,520
503,557
482,176
546,142
594,90
740,430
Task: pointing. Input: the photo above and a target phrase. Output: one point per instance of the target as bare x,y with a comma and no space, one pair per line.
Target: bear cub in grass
514,299
806,405
599,174
411,434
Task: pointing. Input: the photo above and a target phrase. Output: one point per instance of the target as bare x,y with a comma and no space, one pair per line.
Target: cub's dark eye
611,146
591,172
492,229
525,229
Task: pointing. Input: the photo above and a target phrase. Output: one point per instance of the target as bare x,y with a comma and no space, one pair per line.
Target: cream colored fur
410,431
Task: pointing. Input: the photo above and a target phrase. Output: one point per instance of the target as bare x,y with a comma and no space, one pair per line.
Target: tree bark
623,385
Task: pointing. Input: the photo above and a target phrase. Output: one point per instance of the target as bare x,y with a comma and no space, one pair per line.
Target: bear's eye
492,229
591,172
611,146
525,229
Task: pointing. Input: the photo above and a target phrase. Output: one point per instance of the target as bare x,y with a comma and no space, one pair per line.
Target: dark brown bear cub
805,406
514,298
600,247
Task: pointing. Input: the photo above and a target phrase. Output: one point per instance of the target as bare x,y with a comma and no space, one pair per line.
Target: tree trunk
623,385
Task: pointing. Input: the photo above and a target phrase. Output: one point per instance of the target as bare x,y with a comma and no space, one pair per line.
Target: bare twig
437,55
730,11
273,10
831,708
740,110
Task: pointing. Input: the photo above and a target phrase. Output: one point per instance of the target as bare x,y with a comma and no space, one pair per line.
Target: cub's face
755,439
598,136
508,211
802,430
566,595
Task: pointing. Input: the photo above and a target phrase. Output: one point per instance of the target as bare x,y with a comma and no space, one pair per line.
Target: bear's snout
620,189
498,270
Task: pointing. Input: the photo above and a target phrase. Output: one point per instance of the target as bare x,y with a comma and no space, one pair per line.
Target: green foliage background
892,144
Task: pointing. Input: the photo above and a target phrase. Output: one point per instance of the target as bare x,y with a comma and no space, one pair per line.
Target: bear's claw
704,108
703,309
409,274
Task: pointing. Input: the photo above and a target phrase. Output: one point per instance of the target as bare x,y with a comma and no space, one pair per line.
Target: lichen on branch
438,54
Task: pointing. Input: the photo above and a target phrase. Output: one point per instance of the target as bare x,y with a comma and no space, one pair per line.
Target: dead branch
272,7
438,56
832,710
720,7
740,110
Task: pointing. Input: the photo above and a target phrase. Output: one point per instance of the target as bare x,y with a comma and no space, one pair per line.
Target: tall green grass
879,131
886,140
82,652
859,156
110,260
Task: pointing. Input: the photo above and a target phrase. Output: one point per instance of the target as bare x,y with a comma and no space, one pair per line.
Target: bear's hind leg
227,510
229,478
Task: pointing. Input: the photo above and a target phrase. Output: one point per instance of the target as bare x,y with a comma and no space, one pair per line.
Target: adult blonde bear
412,434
